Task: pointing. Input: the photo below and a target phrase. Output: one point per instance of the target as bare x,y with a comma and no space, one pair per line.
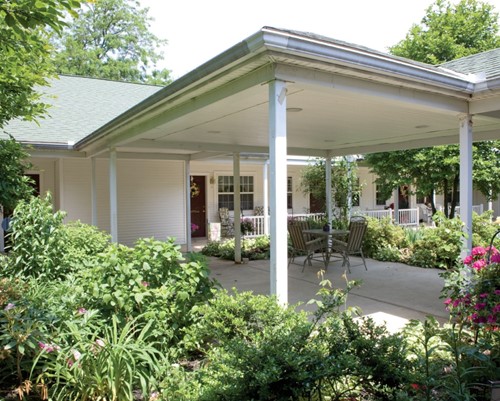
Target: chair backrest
298,239
357,230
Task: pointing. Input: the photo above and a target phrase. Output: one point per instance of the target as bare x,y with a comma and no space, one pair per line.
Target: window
289,193
380,198
225,188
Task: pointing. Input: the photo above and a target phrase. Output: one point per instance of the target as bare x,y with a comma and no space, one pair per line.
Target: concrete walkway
390,292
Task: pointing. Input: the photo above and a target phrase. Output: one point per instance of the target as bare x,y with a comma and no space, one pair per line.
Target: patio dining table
318,232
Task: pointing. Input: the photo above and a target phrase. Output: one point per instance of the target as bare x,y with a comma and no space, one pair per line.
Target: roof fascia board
119,136
352,56
421,99
208,71
55,153
485,105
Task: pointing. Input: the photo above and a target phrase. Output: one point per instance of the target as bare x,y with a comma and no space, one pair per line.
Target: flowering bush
247,226
473,292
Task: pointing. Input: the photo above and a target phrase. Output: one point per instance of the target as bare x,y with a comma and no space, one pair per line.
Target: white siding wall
76,190
46,169
151,200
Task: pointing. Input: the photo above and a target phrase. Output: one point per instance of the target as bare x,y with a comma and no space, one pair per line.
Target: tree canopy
111,39
448,32
25,54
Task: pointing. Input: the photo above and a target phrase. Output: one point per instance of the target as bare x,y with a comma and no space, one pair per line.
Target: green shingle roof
487,62
79,106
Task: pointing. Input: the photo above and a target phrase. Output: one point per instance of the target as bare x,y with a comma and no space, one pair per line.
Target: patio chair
302,244
354,243
226,224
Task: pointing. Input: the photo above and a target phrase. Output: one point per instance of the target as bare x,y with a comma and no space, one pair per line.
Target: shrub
258,350
439,246
83,241
483,229
382,234
256,248
148,280
37,241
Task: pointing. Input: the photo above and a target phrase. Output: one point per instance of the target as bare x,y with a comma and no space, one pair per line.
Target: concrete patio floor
392,293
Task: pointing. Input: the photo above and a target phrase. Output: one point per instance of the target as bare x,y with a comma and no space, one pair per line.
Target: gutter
368,60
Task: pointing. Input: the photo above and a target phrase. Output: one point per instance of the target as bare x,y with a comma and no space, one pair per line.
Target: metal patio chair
354,243
302,244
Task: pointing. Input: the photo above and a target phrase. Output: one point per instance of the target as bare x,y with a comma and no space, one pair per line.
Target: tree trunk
454,195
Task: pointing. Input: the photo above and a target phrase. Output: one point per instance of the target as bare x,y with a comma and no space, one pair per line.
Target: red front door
198,206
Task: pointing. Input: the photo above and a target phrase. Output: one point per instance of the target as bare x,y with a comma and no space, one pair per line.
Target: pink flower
9,306
479,306
447,301
479,264
82,311
468,260
483,295
495,258
100,343
478,251
491,319
145,284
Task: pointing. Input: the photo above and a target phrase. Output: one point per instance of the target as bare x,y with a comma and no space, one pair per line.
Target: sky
198,30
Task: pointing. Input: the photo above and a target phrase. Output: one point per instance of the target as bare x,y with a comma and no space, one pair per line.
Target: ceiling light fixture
294,109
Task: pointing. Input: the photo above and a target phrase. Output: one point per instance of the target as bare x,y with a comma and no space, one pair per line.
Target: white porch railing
407,217
475,208
258,221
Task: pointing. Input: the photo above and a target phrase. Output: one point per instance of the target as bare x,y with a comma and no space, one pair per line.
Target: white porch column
349,161
466,180
278,190
265,180
237,208
93,191
187,172
113,196
328,187
395,195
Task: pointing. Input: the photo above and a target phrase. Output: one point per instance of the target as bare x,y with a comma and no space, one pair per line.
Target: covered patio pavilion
281,92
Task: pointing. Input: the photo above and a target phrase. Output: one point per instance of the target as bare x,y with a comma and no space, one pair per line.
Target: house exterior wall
151,193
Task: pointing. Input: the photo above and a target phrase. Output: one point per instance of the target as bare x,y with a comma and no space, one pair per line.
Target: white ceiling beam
390,92
487,105
221,148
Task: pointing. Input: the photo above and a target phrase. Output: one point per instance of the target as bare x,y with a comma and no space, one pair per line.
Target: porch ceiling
333,107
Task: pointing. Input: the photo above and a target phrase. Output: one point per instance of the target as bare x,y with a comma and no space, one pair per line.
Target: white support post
237,208
278,190
265,180
466,180
395,195
328,187
113,196
93,191
349,161
187,171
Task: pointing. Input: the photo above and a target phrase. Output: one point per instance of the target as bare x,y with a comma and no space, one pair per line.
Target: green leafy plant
440,246
38,243
382,234
97,361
